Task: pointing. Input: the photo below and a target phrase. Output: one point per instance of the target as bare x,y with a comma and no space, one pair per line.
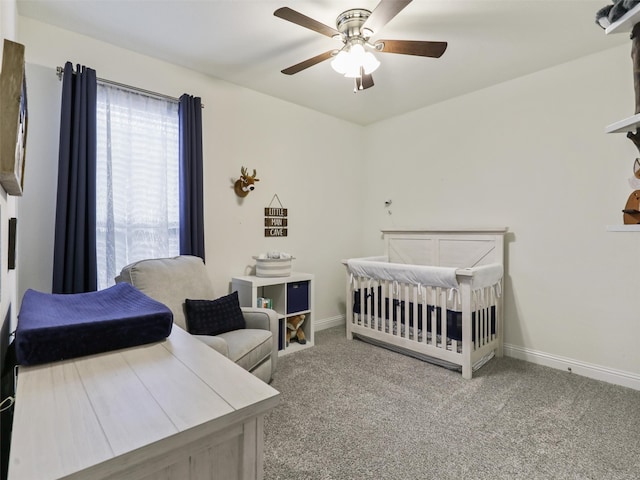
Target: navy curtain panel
74,255
191,198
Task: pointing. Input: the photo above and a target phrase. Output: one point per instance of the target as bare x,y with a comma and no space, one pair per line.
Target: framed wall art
13,118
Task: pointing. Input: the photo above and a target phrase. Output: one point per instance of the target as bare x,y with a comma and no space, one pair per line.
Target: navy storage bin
297,296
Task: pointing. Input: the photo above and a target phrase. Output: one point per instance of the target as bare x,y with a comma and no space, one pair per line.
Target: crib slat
485,318
354,288
388,307
494,303
397,294
370,316
486,330
479,326
396,309
434,316
443,303
407,309
413,334
374,304
476,309
349,300
437,316
363,295
483,326
437,313
425,315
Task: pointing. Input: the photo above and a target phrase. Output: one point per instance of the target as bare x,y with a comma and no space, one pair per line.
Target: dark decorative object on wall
11,261
614,12
275,219
13,126
246,183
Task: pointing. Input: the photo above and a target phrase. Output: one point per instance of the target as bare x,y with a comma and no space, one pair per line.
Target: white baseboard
597,372
325,323
589,370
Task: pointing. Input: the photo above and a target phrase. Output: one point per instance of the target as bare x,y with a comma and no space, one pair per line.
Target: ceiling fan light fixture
353,71
371,63
348,63
340,62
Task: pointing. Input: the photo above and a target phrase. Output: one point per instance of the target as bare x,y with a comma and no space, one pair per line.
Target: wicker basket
273,267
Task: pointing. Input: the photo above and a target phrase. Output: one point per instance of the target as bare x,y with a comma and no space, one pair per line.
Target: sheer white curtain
137,180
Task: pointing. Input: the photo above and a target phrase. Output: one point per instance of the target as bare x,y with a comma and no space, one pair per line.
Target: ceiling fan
356,27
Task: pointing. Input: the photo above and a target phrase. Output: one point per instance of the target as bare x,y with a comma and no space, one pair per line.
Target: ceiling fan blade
364,81
292,16
412,47
383,13
310,62
367,81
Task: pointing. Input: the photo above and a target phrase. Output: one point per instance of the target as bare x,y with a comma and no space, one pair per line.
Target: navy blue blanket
54,327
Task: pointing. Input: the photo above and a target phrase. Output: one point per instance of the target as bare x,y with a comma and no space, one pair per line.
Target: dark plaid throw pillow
212,317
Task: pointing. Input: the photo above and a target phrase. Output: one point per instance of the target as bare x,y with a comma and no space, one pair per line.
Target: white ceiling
242,42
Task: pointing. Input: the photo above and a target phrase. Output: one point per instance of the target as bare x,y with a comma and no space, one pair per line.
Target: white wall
307,158
530,154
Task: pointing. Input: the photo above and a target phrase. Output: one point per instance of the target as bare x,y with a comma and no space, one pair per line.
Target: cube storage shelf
292,295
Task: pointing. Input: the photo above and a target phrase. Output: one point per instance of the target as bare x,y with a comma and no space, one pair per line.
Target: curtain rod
60,74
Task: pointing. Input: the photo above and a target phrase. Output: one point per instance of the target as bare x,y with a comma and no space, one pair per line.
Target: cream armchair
173,280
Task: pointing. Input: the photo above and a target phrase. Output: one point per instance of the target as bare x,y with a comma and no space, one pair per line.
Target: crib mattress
53,327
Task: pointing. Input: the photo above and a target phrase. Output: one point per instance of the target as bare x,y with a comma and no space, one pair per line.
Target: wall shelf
626,22
624,125
624,25
623,228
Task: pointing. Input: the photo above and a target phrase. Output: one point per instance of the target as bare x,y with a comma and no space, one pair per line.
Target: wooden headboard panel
445,247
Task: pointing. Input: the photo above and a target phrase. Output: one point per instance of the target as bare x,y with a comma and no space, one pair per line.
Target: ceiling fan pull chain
358,81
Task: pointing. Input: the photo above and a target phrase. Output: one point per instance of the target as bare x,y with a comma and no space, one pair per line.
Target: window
137,180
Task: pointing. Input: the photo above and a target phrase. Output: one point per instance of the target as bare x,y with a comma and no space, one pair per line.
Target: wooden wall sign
275,220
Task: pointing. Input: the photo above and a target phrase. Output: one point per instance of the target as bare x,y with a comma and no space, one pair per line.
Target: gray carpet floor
350,410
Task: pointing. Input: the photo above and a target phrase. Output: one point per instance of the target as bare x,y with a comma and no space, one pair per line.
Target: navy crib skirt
398,314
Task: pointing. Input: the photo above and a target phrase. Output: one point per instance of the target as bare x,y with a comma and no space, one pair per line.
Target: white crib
435,294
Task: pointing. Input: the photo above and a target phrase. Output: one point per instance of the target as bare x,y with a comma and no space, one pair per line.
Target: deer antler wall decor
245,183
